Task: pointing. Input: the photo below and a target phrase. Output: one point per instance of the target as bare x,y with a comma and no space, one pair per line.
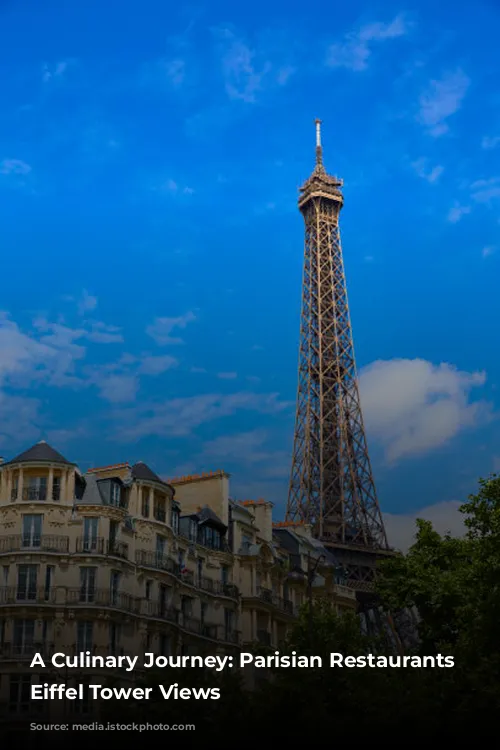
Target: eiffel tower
331,483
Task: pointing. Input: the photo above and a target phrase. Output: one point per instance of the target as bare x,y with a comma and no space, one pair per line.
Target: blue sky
152,247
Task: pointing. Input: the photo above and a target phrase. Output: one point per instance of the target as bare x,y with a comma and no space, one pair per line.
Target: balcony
100,546
117,549
160,611
90,546
91,597
159,514
25,649
22,543
157,560
26,595
218,587
269,597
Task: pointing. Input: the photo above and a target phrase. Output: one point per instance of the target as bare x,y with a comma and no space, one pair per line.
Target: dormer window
175,520
115,494
193,530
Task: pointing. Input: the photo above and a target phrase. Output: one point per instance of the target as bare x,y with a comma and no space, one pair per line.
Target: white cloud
14,166
181,416
171,186
487,251
413,406
227,375
161,328
445,517
442,99
248,71
151,365
51,72
489,142
484,191
456,212
175,71
117,388
87,303
431,174
354,51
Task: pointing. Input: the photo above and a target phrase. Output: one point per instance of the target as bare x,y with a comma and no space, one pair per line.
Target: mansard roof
91,493
205,515
41,452
140,470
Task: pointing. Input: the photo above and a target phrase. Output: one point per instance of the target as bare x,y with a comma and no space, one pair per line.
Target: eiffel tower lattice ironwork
331,483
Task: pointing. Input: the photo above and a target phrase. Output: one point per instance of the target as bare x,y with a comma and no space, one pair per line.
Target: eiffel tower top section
320,184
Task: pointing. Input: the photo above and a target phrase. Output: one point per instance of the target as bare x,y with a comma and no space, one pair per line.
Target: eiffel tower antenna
331,481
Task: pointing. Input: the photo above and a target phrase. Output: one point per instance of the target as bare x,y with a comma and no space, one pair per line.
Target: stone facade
119,561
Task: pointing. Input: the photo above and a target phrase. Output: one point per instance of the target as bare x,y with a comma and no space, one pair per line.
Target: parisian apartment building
118,560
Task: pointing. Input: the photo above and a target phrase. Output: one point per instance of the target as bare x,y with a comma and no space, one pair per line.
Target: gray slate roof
91,494
207,514
40,452
140,470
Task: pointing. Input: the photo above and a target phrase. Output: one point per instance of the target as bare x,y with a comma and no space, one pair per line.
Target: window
203,612
224,574
19,693
163,599
199,565
114,638
161,548
193,530
113,532
24,635
246,542
187,606
32,530
228,623
56,489
26,582
90,528
6,569
36,489
175,520
84,635
45,630
164,645
114,586
115,494
87,584
49,577
149,586
182,558
159,509
145,504
14,490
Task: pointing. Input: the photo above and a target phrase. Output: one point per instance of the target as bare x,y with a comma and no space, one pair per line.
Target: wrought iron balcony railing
160,610
269,597
26,594
25,649
100,546
92,597
157,560
27,542
218,587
